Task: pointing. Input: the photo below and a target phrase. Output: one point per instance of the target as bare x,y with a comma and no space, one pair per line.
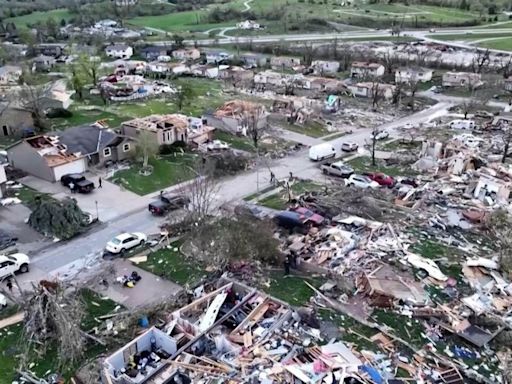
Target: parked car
292,221
361,181
462,124
10,264
309,215
321,152
77,183
337,169
251,210
349,146
125,242
381,135
381,178
217,145
168,202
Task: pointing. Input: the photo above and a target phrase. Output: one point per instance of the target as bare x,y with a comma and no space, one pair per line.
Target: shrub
59,112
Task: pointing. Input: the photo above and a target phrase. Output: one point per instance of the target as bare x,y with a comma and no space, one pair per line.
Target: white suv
17,262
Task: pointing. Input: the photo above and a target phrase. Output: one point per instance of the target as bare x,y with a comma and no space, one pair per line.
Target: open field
501,43
469,36
25,20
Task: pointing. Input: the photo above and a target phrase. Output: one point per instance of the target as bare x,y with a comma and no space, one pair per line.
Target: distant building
153,53
218,57
43,63
254,60
462,79
365,69
248,24
231,116
53,50
325,67
367,89
119,51
287,62
10,74
186,54
405,75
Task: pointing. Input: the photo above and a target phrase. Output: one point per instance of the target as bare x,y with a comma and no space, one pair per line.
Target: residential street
66,258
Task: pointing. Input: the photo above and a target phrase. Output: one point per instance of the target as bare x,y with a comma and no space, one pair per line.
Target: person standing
99,182
272,177
9,284
287,263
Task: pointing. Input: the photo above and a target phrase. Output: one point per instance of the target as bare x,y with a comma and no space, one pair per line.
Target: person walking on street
272,177
9,284
99,182
291,176
287,263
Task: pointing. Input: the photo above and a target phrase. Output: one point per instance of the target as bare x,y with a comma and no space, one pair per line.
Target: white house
367,89
362,69
119,51
323,66
405,75
10,74
214,57
186,54
248,24
270,78
461,79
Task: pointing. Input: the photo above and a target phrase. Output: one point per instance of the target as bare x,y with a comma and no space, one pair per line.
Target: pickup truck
167,202
337,169
77,183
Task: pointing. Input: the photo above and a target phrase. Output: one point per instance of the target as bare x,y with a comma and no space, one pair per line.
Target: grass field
167,170
172,265
26,20
469,36
502,43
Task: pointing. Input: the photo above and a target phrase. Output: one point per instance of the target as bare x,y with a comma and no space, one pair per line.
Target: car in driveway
381,178
361,181
349,146
292,221
168,202
77,183
309,215
11,264
251,211
125,241
338,168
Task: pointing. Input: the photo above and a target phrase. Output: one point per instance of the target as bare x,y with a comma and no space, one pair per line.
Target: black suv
168,202
77,183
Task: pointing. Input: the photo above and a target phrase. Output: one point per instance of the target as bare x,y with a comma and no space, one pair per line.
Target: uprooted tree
61,219
219,242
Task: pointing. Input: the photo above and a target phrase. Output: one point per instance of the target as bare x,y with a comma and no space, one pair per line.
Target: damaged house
168,129
284,62
462,79
235,116
232,334
368,89
363,69
413,74
322,67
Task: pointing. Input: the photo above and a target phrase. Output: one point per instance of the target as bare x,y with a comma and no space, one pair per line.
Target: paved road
63,259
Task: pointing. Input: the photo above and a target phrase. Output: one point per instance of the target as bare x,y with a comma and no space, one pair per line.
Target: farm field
25,20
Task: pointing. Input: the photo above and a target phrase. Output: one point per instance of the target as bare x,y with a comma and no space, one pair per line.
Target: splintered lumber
257,313
14,319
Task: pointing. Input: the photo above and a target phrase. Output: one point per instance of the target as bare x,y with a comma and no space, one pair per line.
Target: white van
462,124
321,151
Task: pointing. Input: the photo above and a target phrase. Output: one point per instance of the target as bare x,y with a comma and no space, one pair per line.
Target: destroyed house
232,333
406,75
233,116
281,62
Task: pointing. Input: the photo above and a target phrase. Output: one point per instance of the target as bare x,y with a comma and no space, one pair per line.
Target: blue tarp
374,374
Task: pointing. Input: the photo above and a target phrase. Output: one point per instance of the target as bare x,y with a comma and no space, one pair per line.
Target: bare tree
255,128
31,98
413,86
373,144
480,61
201,192
506,137
506,66
376,93
468,106
390,60
147,147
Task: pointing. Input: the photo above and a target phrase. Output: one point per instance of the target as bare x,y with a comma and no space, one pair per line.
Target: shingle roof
86,139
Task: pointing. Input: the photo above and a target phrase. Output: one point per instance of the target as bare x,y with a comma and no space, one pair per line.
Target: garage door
77,166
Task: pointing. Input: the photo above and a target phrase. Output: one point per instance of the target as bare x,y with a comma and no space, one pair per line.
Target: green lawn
167,170
189,21
504,44
291,289
10,339
364,164
310,128
172,265
469,36
394,145
26,20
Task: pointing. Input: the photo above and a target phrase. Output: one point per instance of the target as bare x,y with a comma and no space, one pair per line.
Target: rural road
64,258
